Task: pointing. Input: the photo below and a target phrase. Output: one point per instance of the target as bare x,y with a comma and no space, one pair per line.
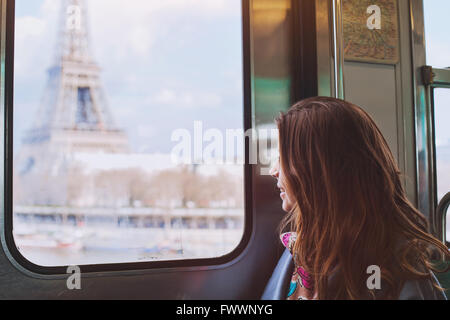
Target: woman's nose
274,172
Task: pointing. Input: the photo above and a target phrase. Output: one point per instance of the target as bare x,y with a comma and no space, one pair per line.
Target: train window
441,98
437,48
120,118
436,35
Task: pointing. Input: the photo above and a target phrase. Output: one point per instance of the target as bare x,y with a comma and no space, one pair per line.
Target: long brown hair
351,210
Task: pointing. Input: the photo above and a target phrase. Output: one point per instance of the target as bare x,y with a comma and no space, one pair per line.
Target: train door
436,80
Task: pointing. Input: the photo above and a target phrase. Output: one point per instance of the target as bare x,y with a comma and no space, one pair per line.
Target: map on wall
371,31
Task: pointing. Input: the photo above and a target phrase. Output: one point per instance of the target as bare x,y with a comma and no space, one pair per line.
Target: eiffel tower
73,116
74,112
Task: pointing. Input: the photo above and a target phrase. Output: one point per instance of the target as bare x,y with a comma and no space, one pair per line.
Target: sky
437,37
169,63
165,64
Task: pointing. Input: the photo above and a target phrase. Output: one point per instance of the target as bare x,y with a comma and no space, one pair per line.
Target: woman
347,210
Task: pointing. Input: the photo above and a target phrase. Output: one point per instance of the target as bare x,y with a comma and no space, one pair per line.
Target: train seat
278,284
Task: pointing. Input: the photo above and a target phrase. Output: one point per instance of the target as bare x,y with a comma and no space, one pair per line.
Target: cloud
144,8
146,131
186,100
30,26
50,7
157,57
118,28
35,40
438,53
141,40
29,33
122,26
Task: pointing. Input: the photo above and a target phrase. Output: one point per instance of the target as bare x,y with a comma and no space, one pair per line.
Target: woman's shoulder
288,240
422,290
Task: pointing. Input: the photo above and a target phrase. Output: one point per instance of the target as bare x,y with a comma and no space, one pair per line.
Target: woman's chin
286,207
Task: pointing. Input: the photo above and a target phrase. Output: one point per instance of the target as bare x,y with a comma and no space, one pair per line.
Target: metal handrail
435,77
338,28
441,218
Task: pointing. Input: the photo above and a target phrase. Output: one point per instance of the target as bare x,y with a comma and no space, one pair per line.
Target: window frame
7,30
436,78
